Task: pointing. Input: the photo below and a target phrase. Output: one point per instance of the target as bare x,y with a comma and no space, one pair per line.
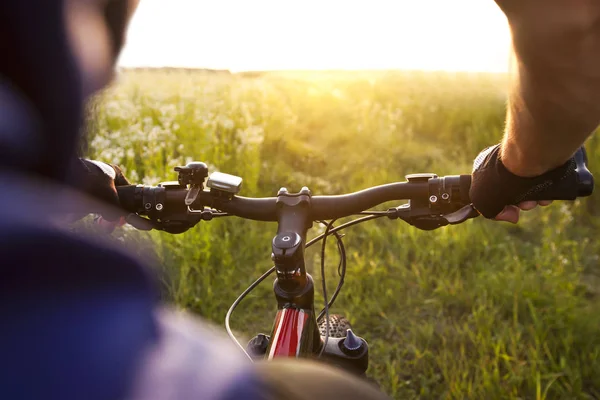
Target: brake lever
192,194
429,222
461,215
140,223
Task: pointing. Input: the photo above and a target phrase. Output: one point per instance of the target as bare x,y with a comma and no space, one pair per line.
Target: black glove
99,180
493,186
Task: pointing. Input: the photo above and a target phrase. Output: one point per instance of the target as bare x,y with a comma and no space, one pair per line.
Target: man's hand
512,213
554,100
499,194
99,180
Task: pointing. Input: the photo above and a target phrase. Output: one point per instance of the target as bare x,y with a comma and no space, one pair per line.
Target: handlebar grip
585,179
128,198
578,183
464,186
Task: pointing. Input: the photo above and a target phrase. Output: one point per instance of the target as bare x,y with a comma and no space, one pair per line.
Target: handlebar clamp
447,202
154,202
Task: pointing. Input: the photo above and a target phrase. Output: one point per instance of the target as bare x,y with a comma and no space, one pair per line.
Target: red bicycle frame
295,332
292,333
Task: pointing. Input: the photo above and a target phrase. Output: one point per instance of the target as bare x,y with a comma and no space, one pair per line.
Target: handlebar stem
294,288
293,217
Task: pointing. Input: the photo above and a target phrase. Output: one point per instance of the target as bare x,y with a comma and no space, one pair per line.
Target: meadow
483,310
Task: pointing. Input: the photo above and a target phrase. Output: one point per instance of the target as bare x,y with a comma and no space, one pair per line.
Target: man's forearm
544,129
554,102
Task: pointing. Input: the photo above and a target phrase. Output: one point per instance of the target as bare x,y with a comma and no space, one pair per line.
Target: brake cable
347,225
341,270
237,302
324,285
341,273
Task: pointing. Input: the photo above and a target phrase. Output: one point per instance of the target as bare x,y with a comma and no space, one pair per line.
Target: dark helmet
41,88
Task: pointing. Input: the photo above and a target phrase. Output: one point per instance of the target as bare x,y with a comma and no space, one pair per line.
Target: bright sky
239,35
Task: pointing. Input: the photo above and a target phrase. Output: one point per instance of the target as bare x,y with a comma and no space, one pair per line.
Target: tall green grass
479,311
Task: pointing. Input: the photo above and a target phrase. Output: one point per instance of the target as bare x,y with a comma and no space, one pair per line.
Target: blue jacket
79,318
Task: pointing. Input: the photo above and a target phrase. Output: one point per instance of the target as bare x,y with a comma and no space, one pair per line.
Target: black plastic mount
445,204
150,201
355,360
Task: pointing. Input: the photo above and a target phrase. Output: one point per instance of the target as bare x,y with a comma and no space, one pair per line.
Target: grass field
478,311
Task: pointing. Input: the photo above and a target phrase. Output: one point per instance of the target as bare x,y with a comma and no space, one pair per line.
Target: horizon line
256,71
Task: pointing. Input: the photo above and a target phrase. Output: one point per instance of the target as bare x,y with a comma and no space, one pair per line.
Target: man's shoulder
97,306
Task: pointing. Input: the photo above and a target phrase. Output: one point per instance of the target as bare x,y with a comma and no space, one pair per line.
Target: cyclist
80,318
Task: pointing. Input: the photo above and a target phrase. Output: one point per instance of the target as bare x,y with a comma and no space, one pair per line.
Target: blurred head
54,54
96,32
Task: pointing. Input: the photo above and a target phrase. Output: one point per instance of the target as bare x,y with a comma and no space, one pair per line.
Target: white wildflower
151,180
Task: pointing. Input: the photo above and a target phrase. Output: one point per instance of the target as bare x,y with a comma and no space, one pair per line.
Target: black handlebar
446,193
433,201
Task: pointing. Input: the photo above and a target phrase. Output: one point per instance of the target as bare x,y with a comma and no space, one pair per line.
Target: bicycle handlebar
448,191
433,201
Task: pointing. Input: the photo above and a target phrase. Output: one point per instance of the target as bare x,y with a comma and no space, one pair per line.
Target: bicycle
433,202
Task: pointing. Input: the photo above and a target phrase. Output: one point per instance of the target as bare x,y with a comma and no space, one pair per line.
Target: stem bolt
445,196
159,207
147,206
433,199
